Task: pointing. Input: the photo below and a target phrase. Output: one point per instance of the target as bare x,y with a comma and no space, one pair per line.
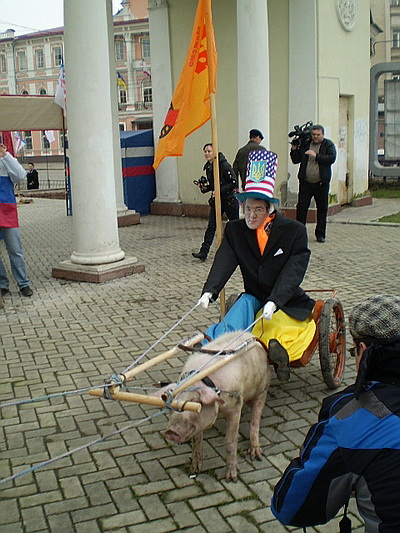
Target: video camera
301,135
203,183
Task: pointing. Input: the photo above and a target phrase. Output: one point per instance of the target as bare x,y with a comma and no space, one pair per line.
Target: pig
246,379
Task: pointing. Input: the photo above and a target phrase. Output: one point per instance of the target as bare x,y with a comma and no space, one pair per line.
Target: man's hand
269,310
3,150
311,153
205,300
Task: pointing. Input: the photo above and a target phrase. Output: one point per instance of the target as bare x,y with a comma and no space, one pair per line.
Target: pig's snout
173,436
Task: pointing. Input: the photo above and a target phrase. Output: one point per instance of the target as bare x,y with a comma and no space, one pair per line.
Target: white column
161,81
303,97
252,68
91,90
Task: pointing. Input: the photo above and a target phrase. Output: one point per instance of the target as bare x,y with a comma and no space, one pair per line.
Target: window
122,96
25,92
3,63
45,142
28,140
39,58
119,50
396,39
57,56
63,143
121,126
146,48
147,91
21,60
42,91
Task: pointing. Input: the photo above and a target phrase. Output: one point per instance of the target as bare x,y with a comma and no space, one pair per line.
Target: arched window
24,92
42,91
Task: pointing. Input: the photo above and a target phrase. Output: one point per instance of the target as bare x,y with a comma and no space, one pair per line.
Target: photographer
229,204
316,156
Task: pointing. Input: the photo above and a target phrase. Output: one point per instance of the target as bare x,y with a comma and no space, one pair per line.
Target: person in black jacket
355,446
316,158
272,254
229,204
32,177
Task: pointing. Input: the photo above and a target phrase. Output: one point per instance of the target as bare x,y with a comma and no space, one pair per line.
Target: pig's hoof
256,453
231,474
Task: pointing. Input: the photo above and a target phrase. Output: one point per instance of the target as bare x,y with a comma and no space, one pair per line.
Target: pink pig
246,379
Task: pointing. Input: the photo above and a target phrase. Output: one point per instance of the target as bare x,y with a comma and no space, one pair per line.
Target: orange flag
190,106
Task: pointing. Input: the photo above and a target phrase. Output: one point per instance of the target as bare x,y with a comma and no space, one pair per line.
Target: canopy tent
27,113
137,152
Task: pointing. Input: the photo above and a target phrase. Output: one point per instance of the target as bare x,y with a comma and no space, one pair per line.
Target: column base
97,273
290,212
180,209
128,218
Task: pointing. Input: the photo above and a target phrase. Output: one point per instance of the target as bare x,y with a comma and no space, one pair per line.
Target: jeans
320,192
13,244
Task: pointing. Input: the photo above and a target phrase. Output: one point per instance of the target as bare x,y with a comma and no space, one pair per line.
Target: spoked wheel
332,343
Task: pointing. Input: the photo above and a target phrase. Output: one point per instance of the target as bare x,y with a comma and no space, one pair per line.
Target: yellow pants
294,335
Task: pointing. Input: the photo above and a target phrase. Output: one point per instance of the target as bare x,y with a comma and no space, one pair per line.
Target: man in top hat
355,446
242,156
272,254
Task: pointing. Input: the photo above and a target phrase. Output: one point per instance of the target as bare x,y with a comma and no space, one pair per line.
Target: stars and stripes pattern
261,172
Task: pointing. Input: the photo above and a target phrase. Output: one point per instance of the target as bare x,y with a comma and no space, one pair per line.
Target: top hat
260,176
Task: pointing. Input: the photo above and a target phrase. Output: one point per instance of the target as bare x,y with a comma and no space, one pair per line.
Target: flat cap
377,316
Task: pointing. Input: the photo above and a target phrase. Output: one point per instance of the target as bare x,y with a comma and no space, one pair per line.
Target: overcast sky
25,16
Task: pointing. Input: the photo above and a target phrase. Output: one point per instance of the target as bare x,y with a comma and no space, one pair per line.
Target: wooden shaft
148,400
212,368
190,341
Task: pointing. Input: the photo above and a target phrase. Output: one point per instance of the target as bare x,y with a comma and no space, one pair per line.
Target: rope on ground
160,339
80,448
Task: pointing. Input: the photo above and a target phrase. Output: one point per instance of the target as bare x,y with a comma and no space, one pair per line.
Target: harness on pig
207,381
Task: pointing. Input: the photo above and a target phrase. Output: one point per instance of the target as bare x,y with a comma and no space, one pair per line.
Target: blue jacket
355,446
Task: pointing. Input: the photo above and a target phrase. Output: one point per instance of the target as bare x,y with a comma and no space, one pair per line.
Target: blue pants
239,317
13,244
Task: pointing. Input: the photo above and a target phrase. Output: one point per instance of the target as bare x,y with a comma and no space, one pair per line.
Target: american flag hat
260,176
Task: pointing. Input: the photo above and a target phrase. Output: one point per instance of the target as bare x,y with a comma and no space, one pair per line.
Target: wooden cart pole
148,400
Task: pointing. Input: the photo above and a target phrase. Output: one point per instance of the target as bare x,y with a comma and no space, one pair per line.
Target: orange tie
262,234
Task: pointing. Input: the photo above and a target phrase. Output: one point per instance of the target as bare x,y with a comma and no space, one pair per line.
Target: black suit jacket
276,275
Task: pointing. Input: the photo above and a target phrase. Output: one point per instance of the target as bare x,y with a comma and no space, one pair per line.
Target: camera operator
316,157
228,186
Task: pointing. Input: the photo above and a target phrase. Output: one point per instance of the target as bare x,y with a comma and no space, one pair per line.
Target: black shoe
26,291
320,239
280,359
4,292
200,256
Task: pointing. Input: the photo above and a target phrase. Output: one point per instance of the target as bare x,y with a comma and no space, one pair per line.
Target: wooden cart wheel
332,343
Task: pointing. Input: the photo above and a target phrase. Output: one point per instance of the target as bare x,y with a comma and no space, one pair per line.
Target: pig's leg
197,453
257,406
232,431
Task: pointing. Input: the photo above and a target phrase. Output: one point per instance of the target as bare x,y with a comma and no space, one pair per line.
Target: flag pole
214,139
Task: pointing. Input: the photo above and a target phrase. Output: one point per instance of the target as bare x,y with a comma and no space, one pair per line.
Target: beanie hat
376,317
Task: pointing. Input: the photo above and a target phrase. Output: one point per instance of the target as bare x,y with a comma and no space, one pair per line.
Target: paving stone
74,335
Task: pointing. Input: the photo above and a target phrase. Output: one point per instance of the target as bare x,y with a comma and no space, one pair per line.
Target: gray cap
377,316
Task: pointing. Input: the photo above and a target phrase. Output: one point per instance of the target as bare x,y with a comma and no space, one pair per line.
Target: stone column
161,80
303,97
252,68
91,95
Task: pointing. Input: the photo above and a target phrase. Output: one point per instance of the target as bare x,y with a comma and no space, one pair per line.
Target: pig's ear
208,396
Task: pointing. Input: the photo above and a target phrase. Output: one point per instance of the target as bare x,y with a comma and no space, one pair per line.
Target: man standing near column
316,158
11,172
242,156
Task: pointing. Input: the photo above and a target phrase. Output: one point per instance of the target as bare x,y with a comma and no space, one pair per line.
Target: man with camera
316,156
228,188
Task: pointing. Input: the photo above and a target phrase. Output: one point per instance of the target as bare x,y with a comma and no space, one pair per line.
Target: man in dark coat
272,254
241,159
316,158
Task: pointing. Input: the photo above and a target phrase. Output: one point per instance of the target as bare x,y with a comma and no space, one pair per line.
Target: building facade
30,65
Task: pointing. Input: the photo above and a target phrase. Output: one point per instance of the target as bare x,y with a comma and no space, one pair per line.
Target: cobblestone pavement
70,336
